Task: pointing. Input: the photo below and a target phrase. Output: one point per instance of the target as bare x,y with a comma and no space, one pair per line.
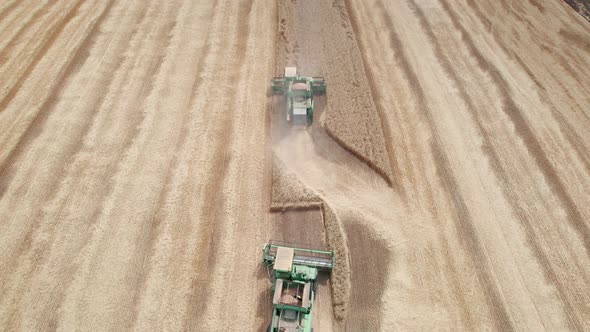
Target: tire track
247,177
14,148
562,62
53,34
49,103
178,223
496,161
572,137
581,42
526,133
145,250
175,223
27,242
163,35
200,288
104,188
46,108
13,24
393,113
72,152
565,127
463,218
155,229
132,135
468,234
64,184
565,65
537,5
423,199
13,41
8,9
43,114
213,203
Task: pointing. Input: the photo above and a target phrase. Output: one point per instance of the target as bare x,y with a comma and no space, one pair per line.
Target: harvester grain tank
298,92
295,270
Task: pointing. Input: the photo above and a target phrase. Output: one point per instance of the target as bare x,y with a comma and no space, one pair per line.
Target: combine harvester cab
295,270
299,92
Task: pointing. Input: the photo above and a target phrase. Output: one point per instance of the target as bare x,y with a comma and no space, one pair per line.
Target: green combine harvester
299,92
295,270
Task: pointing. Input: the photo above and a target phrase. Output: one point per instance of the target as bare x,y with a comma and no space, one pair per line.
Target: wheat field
140,158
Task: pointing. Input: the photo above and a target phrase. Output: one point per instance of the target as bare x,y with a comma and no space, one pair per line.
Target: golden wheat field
143,163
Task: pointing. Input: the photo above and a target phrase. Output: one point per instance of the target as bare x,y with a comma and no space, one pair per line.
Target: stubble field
143,164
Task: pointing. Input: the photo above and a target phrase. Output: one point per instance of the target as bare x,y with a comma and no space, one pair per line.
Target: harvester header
305,255
281,84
